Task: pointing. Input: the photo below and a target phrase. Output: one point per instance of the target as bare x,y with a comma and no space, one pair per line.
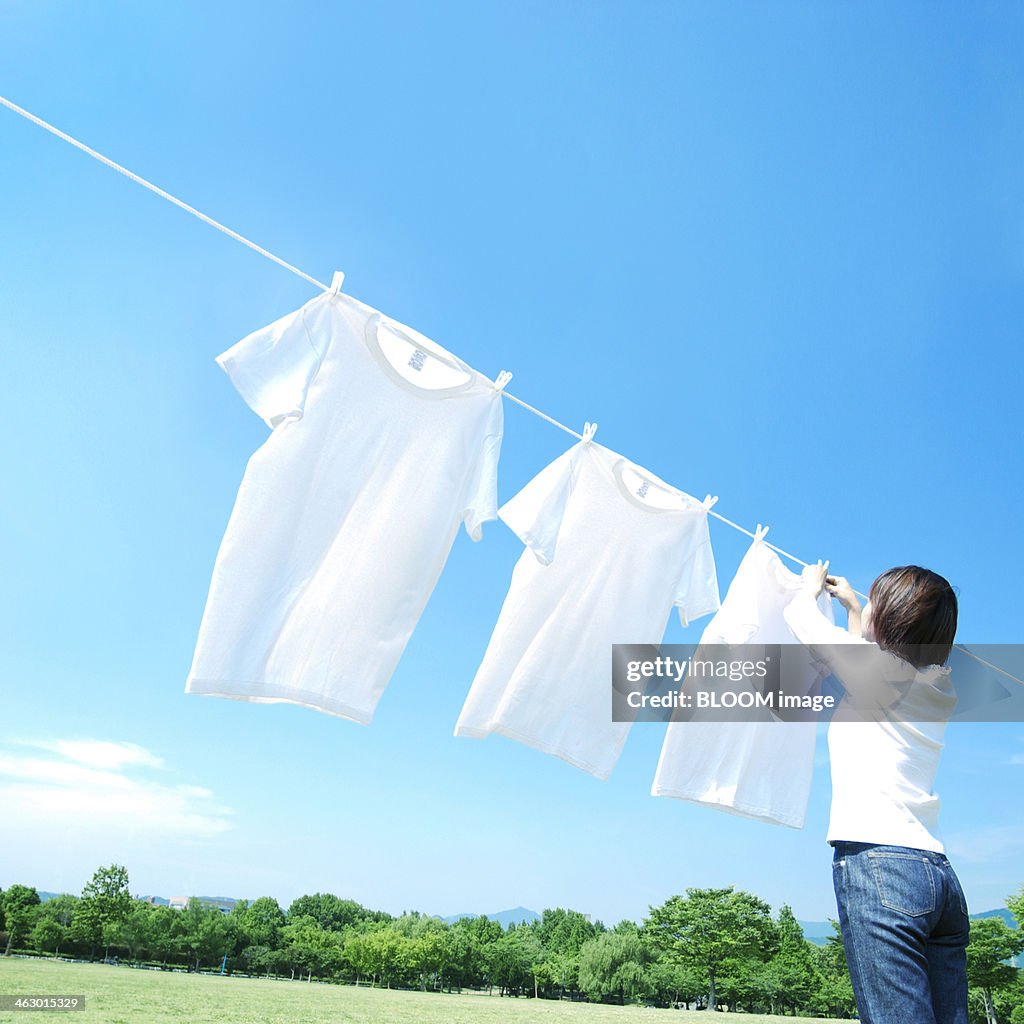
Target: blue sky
775,251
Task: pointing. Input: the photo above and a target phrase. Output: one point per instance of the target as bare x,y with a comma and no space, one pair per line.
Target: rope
323,287
160,192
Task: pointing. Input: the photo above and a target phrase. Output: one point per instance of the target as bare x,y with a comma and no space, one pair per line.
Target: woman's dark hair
913,614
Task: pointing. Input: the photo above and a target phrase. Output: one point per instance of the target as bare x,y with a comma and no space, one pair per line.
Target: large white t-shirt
383,442
610,550
884,739
758,765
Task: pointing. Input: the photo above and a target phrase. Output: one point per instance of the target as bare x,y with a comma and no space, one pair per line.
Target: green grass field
120,995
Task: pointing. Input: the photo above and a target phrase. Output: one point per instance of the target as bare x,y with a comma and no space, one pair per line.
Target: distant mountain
1008,918
817,932
1002,912
504,917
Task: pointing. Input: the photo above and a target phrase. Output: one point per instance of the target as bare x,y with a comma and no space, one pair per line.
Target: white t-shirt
883,765
759,765
610,550
383,442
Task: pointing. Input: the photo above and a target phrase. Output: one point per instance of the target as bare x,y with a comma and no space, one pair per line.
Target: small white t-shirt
383,442
884,739
759,765
610,550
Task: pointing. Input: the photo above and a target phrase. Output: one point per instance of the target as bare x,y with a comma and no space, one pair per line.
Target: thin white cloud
100,753
1015,759
96,785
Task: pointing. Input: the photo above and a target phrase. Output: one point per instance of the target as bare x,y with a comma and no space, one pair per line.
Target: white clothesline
324,287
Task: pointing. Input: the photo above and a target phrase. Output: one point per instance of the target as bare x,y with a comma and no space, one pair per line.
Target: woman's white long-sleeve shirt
885,737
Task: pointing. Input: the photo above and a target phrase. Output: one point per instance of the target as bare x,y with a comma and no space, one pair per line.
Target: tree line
710,949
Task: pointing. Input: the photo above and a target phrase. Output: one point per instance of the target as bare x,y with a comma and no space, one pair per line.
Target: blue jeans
903,918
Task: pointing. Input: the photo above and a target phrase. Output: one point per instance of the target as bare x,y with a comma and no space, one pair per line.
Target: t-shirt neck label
647,493
413,362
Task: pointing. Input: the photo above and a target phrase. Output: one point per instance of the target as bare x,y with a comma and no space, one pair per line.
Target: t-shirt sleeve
273,367
482,500
696,592
871,677
535,513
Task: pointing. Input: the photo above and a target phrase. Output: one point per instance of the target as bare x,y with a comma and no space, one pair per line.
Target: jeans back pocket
905,882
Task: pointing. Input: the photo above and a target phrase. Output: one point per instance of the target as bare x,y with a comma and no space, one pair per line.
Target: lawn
121,995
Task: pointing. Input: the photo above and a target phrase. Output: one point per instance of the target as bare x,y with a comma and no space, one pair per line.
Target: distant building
223,904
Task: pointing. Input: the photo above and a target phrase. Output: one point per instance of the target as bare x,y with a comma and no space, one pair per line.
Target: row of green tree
709,948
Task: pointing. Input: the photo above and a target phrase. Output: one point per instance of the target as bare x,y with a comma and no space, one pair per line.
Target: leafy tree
311,948
466,945
1016,905
203,932
565,930
461,960
1013,1010
506,965
256,960
47,935
52,929
614,964
390,950
331,912
748,983
20,903
563,934
61,908
261,923
833,996
105,901
166,931
668,984
359,955
709,927
1006,1002
532,954
134,932
793,976
427,954
993,942
379,952
483,933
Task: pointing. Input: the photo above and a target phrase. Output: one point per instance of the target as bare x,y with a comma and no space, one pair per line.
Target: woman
902,911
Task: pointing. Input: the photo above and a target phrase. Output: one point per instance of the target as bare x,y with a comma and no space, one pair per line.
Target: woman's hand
839,587
813,577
